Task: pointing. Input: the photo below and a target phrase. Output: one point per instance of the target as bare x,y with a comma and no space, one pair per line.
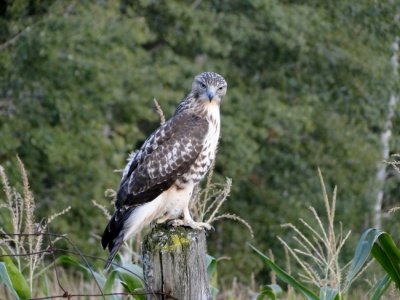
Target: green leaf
108,285
4,278
381,245
67,260
380,287
132,269
138,294
44,283
131,282
387,241
286,277
211,264
272,291
17,279
385,257
131,277
362,253
328,293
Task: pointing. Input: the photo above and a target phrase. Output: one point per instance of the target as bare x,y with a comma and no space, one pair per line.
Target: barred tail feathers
117,243
125,223
114,233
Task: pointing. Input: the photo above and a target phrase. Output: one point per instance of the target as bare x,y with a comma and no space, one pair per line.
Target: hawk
158,181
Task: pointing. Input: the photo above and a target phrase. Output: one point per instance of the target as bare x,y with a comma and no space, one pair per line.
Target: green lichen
168,238
176,241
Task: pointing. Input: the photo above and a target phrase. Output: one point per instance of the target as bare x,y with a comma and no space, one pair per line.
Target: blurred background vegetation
309,85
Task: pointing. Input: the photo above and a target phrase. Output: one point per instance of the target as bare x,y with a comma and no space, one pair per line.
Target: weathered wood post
174,263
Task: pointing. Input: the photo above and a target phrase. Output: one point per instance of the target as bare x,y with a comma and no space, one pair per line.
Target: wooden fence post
174,263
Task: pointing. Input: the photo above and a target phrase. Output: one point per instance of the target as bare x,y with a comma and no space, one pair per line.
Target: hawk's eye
202,85
220,88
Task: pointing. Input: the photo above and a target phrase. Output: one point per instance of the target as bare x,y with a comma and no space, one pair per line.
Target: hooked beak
210,94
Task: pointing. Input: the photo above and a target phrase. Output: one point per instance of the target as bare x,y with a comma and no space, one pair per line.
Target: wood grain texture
174,263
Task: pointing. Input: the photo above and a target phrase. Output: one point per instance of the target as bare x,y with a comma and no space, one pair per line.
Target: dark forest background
309,86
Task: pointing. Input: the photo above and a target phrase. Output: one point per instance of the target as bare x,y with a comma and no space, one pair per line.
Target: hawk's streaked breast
210,143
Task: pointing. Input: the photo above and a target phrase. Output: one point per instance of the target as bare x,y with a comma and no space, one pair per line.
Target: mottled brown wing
168,153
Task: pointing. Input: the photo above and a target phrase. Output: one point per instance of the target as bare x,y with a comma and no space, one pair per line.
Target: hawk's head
209,86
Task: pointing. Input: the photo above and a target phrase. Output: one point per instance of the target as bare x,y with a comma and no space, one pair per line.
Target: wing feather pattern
167,154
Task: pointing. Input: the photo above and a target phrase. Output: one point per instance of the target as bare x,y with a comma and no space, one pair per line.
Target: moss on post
174,263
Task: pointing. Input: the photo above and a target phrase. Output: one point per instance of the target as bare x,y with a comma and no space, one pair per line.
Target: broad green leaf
382,247
4,278
211,264
132,282
388,263
387,241
99,277
286,277
380,287
272,291
134,270
131,277
328,293
17,279
108,285
138,294
65,259
362,253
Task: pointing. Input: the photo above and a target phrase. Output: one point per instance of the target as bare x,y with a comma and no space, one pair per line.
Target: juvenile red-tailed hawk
158,181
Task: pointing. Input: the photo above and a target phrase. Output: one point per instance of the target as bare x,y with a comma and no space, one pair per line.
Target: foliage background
309,83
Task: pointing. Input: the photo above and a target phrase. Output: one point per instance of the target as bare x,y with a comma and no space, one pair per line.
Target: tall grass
317,247
19,218
207,202
23,248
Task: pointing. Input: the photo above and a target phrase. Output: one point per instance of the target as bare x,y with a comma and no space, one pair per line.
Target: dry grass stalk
159,111
290,291
395,163
56,215
219,200
208,202
272,273
103,209
394,209
235,218
21,219
110,193
29,203
318,251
